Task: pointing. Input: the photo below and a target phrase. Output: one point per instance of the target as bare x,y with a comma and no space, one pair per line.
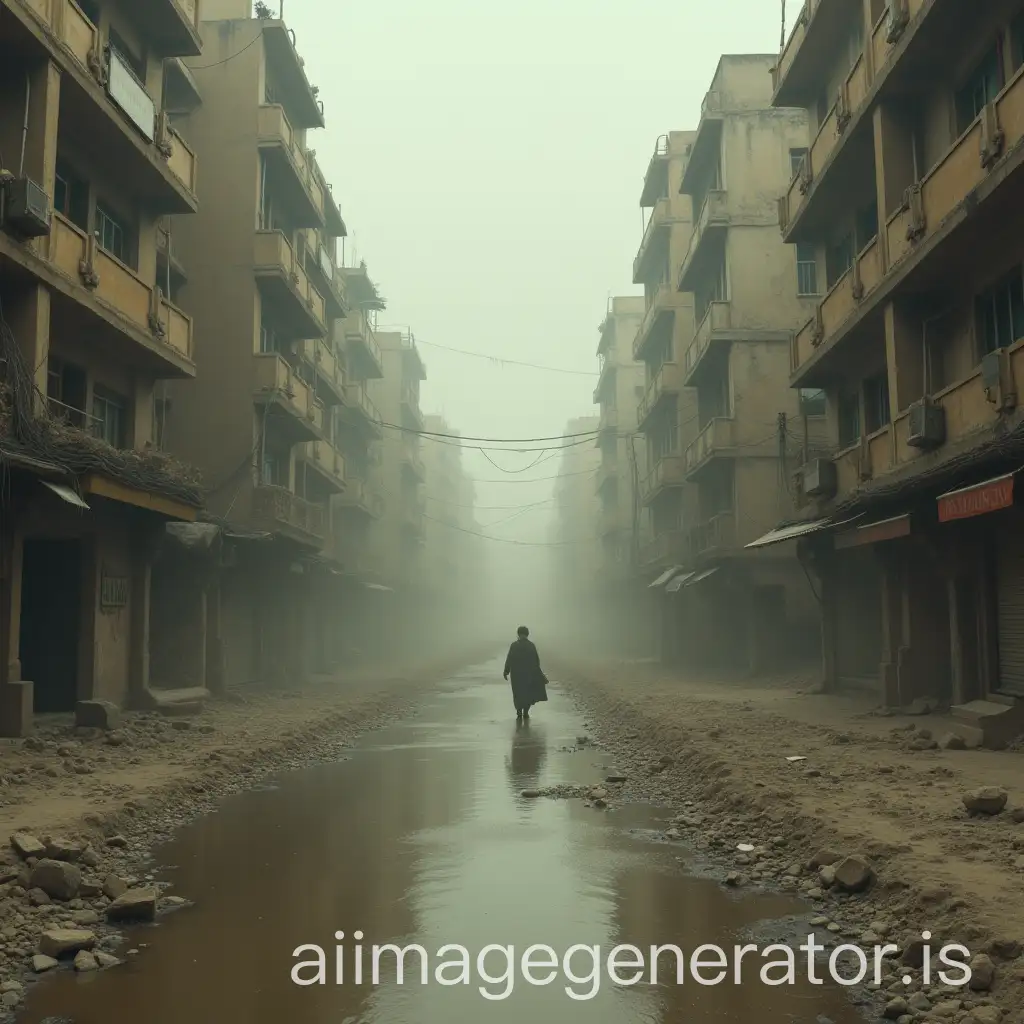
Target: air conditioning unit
927,425
819,477
27,208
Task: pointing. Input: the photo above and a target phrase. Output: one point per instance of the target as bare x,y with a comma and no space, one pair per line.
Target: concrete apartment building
666,414
621,524
748,295
906,201
258,274
91,167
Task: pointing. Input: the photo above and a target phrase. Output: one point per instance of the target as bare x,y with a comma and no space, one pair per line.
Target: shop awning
666,576
377,586
978,499
678,583
794,530
875,532
700,576
65,493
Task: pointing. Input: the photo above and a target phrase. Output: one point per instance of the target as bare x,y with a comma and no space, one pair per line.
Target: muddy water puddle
421,836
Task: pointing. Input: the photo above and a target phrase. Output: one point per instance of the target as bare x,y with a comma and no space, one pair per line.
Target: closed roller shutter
859,615
1011,612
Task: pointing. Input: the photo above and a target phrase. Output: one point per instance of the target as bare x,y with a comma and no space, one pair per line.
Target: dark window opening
876,402
980,89
796,159
867,225
812,402
1000,313
112,234
1017,42
109,417
66,391
849,419
134,61
91,9
806,270
71,195
838,259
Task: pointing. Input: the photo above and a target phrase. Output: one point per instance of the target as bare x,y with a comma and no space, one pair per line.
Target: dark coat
528,679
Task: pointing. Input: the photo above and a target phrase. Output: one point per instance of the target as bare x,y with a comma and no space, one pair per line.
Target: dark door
51,586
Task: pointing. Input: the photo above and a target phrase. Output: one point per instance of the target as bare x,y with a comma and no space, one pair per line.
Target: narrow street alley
423,835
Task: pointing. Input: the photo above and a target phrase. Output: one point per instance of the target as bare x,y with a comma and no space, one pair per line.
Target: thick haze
488,160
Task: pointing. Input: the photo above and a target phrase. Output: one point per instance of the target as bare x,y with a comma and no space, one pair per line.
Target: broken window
1000,313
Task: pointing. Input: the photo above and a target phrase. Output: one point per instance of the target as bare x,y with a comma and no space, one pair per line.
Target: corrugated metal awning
794,530
65,493
678,583
666,576
378,586
698,577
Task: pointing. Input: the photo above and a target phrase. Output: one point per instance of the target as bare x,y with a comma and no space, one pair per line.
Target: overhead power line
430,434
499,361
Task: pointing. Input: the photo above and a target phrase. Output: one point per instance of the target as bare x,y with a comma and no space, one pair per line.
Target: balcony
277,510
607,424
277,387
366,361
716,439
299,306
714,537
320,356
607,476
412,463
360,497
846,297
868,458
411,406
717,321
671,547
292,170
665,385
668,472
660,317
656,178
360,408
655,236
711,223
831,135
140,309
323,457
319,266
605,379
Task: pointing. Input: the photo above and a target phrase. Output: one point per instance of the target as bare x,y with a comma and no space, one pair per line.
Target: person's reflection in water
529,752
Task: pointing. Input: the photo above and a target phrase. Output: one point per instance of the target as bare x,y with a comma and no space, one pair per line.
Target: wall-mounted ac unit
927,425
26,208
819,476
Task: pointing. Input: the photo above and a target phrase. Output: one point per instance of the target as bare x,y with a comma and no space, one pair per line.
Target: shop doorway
51,616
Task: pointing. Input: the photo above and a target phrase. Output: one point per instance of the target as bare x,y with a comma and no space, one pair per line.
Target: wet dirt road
422,836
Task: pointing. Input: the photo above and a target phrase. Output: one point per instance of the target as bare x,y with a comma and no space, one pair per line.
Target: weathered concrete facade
906,201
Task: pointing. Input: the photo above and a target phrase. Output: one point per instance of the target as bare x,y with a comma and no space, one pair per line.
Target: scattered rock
615,777
896,1008
983,973
57,878
26,845
735,879
1005,949
984,1015
41,963
854,874
97,714
107,959
58,942
952,742
85,961
117,842
986,800
531,793
58,848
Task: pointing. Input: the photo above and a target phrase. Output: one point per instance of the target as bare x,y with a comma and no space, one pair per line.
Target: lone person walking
528,680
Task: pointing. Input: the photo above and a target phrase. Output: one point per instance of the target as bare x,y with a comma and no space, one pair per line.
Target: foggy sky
488,160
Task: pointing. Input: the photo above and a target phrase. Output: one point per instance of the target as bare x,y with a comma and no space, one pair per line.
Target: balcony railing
668,471
357,397
274,257
276,132
326,458
717,318
842,300
359,494
661,214
714,213
275,380
278,507
81,259
716,535
319,355
667,381
361,341
715,438
665,301
411,403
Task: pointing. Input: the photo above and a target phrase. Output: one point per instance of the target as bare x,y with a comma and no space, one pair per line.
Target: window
979,89
71,195
812,402
796,158
65,391
806,270
849,419
109,416
1017,41
838,259
161,407
867,225
876,402
110,233
1000,313
91,9
274,471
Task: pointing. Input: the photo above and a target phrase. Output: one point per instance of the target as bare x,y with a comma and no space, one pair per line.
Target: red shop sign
976,501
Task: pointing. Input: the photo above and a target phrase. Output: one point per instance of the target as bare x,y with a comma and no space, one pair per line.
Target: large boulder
57,878
58,942
986,800
97,714
854,874
26,845
134,905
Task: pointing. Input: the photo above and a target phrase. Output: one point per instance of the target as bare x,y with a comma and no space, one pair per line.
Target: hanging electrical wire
500,361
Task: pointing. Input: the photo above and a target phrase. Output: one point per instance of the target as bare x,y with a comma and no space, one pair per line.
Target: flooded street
422,836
